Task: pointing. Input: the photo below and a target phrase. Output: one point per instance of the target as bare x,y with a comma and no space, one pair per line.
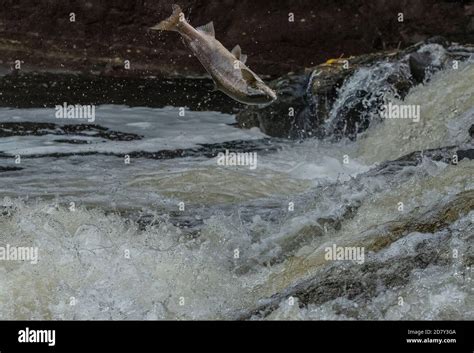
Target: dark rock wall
107,32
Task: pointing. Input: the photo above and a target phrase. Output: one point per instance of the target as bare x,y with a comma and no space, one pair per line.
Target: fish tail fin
171,23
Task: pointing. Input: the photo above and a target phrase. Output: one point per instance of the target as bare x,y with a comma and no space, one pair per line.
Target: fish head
260,93
256,91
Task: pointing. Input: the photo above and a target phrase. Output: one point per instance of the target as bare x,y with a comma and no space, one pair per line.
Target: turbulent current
171,234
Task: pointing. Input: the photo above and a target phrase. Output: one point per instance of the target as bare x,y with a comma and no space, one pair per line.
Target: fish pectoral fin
207,29
248,76
237,52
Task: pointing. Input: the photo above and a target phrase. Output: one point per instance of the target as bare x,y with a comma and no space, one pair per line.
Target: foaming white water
97,266
377,201
111,269
252,234
107,181
446,109
432,293
373,79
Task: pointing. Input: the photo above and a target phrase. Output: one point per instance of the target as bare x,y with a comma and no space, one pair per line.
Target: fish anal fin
207,29
215,87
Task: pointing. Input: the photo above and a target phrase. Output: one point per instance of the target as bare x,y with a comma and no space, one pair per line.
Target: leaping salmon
227,69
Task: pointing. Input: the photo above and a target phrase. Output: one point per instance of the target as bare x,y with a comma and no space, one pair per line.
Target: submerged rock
9,169
207,150
28,128
381,271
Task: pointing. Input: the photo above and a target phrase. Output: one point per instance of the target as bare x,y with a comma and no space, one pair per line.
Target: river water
175,235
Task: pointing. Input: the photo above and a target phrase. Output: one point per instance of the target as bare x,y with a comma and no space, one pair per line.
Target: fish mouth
269,93
258,99
273,95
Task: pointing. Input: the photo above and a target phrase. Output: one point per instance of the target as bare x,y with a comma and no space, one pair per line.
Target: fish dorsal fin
237,52
248,76
208,29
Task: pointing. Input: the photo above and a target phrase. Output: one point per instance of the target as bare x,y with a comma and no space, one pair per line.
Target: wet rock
302,105
284,118
342,97
419,62
444,154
